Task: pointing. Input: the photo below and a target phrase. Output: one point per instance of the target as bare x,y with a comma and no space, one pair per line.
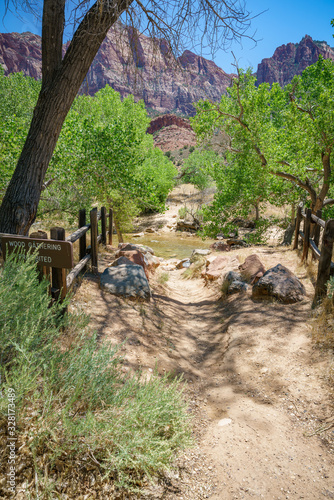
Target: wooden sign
50,253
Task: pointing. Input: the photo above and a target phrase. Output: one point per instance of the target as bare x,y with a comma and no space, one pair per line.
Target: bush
75,409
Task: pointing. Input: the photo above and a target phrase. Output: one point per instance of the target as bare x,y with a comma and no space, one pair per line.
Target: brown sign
50,253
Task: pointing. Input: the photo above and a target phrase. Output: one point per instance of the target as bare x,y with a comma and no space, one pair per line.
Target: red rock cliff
291,59
149,75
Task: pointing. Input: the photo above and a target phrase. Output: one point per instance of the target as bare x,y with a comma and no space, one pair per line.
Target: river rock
215,268
152,262
127,281
199,252
184,263
279,283
252,269
188,225
220,246
236,242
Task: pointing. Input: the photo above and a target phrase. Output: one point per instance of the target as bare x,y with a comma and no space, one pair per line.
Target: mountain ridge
165,85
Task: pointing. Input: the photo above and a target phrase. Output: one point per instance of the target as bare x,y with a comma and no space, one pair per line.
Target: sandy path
256,387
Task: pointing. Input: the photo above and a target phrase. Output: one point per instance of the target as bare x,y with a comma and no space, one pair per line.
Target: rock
235,242
197,252
120,261
188,225
215,268
252,269
127,281
291,59
233,283
152,262
184,263
136,257
232,276
144,249
237,287
247,224
150,230
138,235
281,284
220,246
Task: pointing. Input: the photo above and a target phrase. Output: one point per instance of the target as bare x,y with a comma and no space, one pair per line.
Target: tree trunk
61,83
118,231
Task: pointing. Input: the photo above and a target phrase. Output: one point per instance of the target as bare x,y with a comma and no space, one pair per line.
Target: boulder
237,243
136,257
233,283
127,281
279,283
152,262
195,254
135,246
184,263
252,269
237,286
220,246
120,261
215,268
188,225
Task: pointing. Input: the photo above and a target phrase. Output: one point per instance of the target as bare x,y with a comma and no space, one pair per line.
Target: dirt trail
256,387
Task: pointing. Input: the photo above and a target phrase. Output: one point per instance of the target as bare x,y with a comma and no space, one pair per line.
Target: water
170,245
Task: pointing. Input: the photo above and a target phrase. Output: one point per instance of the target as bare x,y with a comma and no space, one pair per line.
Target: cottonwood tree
274,133
205,22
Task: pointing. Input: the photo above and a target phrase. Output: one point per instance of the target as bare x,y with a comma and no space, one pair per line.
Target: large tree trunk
61,83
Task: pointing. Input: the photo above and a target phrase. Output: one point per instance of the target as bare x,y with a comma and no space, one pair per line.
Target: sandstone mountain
130,63
152,74
291,59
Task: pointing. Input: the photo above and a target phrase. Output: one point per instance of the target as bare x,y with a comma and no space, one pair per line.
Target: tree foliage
205,22
18,96
105,154
273,135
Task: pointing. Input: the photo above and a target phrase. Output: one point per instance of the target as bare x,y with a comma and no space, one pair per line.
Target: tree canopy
206,22
273,134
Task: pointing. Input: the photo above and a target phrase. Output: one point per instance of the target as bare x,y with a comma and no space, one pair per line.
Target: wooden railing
60,281
313,225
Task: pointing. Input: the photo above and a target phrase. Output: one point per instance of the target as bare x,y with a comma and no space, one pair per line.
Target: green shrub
73,402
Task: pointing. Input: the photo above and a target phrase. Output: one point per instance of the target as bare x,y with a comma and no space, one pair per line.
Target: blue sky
284,21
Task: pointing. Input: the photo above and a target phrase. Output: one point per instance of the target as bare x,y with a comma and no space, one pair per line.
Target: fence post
298,221
307,228
45,270
110,226
316,234
82,239
324,262
58,275
104,225
93,239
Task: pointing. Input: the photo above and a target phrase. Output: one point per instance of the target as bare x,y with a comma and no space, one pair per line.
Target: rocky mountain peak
291,59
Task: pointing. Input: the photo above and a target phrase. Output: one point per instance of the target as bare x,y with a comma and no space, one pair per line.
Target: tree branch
296,180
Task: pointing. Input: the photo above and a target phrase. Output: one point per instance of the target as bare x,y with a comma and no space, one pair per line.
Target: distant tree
205,22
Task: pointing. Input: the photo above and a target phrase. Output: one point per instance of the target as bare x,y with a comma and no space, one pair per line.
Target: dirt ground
257,389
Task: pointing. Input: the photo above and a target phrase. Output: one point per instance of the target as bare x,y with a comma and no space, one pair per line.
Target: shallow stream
168,245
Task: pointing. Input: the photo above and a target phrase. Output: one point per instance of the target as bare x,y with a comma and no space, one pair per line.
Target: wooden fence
60,280
313,225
